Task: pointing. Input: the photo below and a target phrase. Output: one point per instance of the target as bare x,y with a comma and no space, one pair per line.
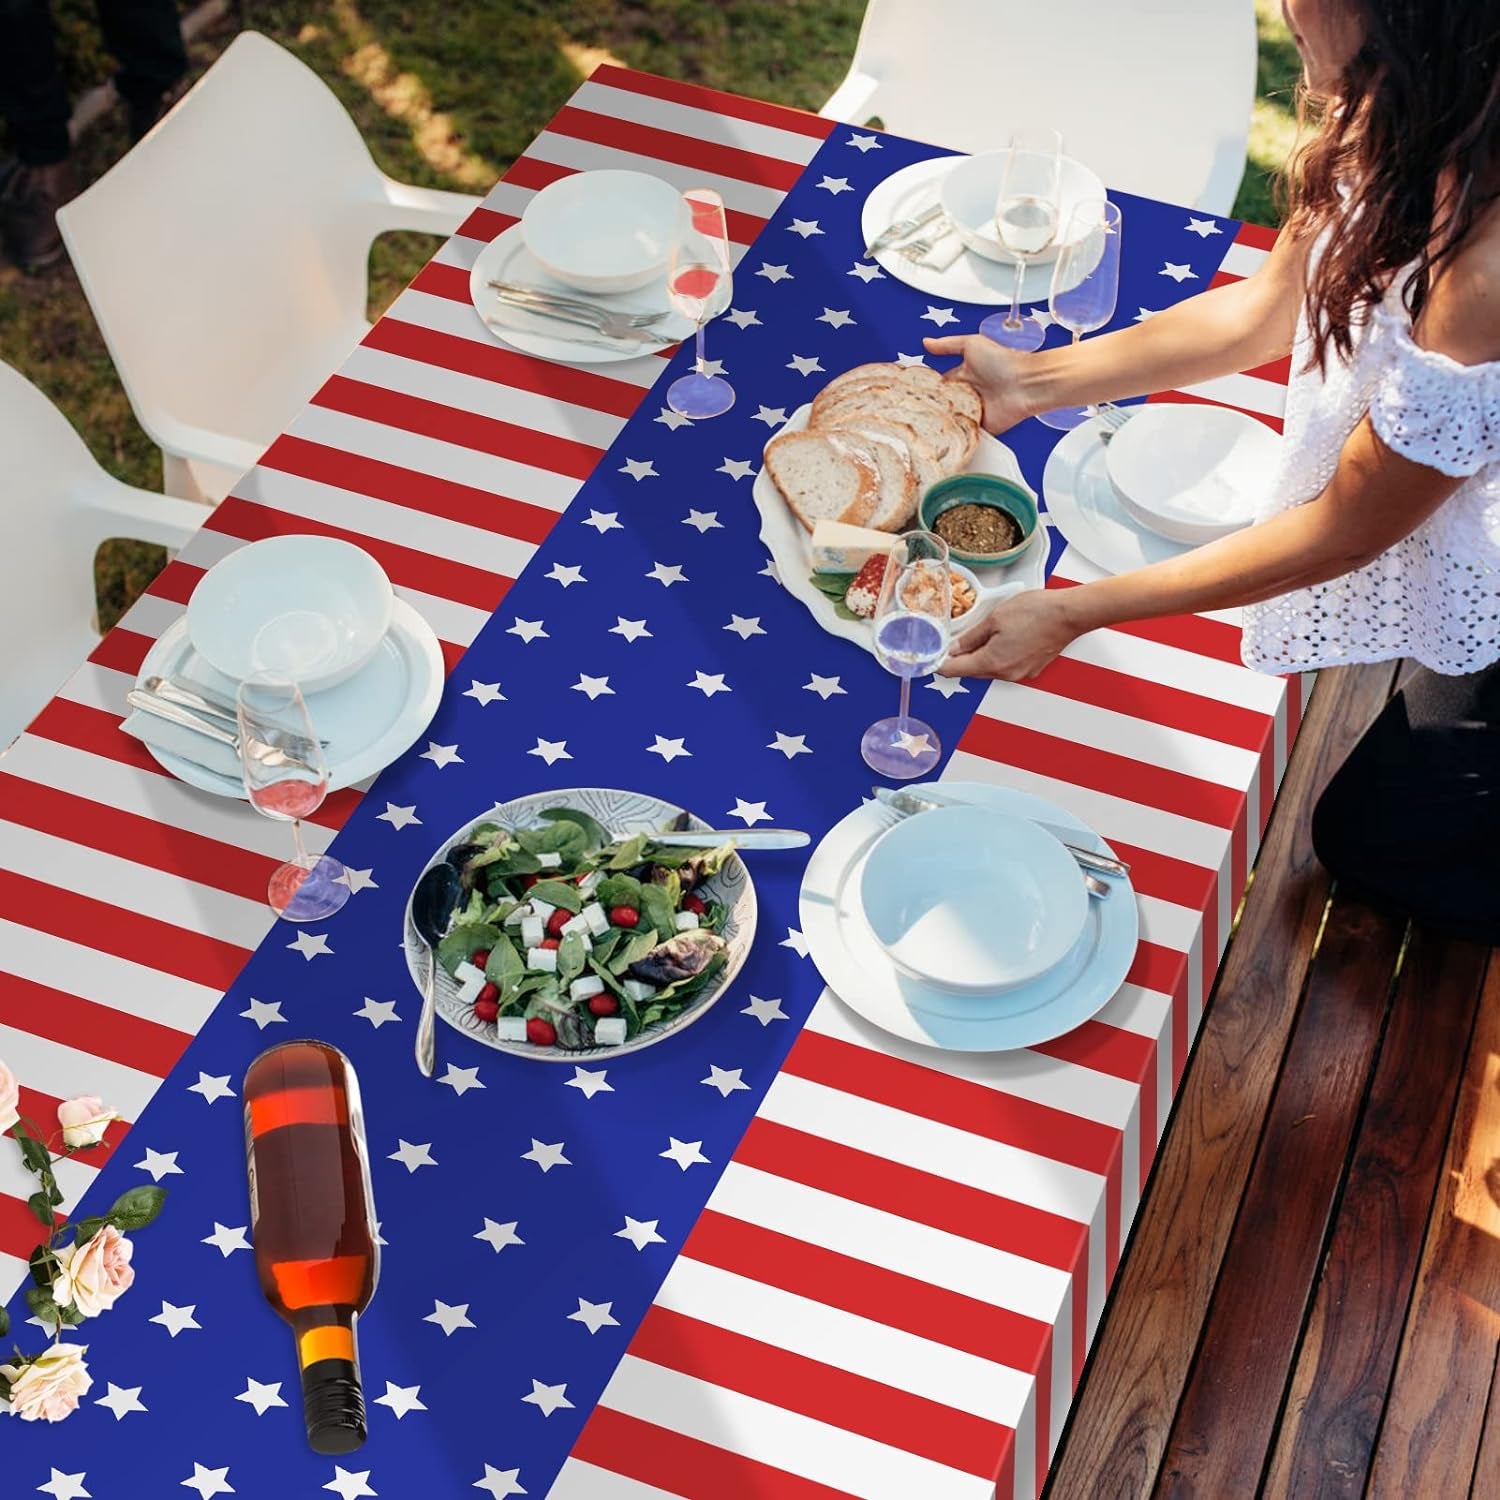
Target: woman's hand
993,370
1017,639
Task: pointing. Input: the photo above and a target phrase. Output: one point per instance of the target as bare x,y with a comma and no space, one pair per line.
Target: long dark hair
1406,156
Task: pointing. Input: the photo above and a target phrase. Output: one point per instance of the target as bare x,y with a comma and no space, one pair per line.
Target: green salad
569,937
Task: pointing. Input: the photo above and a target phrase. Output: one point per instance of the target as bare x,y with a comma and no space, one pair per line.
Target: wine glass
1085,285
1026,215
911,626
286,777
699,286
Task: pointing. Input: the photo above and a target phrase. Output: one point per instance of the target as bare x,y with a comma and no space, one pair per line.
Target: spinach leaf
488,833
596,836
571,957
607,944
496,913
456,947
610,982
628,854
658,909
834,585
567,840
637,945
546,1001
619,890
515,987
574,1031
473,912
685,989
715,917
504,962
561,893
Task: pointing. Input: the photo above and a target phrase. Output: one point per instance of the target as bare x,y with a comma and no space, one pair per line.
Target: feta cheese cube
466,972
586,988
519,915
590,883
533,930
686,921
597,918
510,1029
609,1031
639,990
469,990
542,909
578,924
549,861
544,960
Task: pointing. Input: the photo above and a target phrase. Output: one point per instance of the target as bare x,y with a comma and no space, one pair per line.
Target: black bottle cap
333,1404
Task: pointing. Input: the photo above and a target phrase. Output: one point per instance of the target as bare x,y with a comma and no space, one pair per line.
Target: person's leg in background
145,37
34,104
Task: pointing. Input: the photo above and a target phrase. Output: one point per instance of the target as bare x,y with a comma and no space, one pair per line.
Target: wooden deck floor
1310,1303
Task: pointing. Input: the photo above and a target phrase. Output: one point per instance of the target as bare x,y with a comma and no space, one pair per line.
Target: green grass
448,96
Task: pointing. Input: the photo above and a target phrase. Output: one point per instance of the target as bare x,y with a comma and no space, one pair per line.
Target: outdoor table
780,1254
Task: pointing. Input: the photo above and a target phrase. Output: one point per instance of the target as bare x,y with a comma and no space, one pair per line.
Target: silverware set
606,323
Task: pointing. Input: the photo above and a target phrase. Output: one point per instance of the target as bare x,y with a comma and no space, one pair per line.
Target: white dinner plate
1083,505
506,258
622,813
788,542
855,968
368,720
971,278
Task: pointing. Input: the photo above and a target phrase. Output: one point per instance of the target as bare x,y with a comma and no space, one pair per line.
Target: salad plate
572,918
856,968
506,258
788,542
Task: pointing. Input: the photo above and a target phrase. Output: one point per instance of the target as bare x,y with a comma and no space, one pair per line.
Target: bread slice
890,446
950,438
824,477
963,398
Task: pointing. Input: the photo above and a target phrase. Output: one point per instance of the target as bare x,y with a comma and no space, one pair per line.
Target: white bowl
972,900
311,607
607,231
969,191
1191,473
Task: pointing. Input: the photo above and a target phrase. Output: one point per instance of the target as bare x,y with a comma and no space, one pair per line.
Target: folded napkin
187,744
945,252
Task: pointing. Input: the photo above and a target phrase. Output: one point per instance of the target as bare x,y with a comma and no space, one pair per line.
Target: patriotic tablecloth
781,1255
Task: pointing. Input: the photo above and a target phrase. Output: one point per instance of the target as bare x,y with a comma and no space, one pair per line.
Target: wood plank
1119,1423
1337,1393
1485,1484
1226,1421
1434,1420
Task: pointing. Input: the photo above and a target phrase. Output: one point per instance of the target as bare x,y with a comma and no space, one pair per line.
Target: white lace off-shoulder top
1435,595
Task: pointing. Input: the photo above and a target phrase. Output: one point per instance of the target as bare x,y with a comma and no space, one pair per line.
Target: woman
1382,536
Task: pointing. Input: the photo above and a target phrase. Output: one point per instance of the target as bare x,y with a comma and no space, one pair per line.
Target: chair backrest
1154,95
230,235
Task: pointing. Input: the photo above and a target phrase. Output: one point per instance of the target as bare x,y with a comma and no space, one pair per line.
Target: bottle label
250,1173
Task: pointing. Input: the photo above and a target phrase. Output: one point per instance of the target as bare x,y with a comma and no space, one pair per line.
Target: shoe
29,201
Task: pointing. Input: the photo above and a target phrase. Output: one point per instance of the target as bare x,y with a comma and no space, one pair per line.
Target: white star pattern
494,1479
311,945
941,316
672,420
669,750
639,469
411,1157
398,817
160,1164
765,1011
795,941
211,1087
947,686
736,468
1178,273
914,744
769,571
685,1153
709,683
666,574
863,143
712,367
377,1012
546,1157
66,1486
790,745
772,416
449,1319
263,1013
550,751
565,574
865,272
209,1482
824,687
750,813
604,520
774,273
262,1395
441,755
594,1315
122,1401
484,692
726,1080
804,227
804,364
548,1398
910,359
226,1240
743,318
498,1236
835,185
349,1486
1203,227
632,630
356,880
703,520
640,1232
1146,312
595,687
529,630
745,628
835,317
461,1080
401,1399
589,1081
176,1319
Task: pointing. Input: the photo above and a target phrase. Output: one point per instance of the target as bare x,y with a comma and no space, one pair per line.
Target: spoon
432,906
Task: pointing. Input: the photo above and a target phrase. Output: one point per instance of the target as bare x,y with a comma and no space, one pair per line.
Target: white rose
10,1099
92,1277
84,1120
50,1387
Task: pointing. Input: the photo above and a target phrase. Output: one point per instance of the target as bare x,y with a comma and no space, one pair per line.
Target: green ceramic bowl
983,489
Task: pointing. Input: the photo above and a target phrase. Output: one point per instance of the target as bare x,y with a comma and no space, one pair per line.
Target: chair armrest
427,210
851,101
200,445
144,516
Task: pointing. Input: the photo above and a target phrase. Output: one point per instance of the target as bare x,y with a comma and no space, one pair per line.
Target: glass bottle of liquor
313,1223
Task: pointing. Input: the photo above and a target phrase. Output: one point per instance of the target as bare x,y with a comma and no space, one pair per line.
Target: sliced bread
962,397
824,477
890,445
950,438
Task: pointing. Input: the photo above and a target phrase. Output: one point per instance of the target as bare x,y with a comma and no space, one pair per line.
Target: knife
741,838
899,230
907,802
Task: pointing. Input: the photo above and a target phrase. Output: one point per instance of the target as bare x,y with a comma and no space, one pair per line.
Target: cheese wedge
840,548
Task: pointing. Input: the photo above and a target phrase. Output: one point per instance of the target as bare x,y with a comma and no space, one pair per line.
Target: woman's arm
1231,328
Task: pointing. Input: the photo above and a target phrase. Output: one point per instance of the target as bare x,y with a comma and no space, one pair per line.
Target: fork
915,249
1111,418
160,708
606,321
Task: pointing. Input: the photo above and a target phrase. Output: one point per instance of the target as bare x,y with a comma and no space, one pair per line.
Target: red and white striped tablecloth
893,1276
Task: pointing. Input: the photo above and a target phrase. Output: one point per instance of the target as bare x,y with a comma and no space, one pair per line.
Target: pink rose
51,1386
84,1120
92,1277
10,1099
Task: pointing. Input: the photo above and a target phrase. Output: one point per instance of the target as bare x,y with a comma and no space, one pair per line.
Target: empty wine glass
286,777
1026,215
699,286
1085,285
911,627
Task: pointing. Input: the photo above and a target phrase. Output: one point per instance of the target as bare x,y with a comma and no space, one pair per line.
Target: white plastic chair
226,258
1154,95
56,506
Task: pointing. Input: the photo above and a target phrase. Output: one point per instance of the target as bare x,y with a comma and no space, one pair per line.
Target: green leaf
39,1300
605,947
558,893
843,611
463,942
619,890
685,989
4,1322
36,1156
473,912
504,961
44,1266
566,840
637,945
610,981
628,854
715,917
138,1207
41,1205
658,909
515,987
86,1229
572,955
834,585
596,836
